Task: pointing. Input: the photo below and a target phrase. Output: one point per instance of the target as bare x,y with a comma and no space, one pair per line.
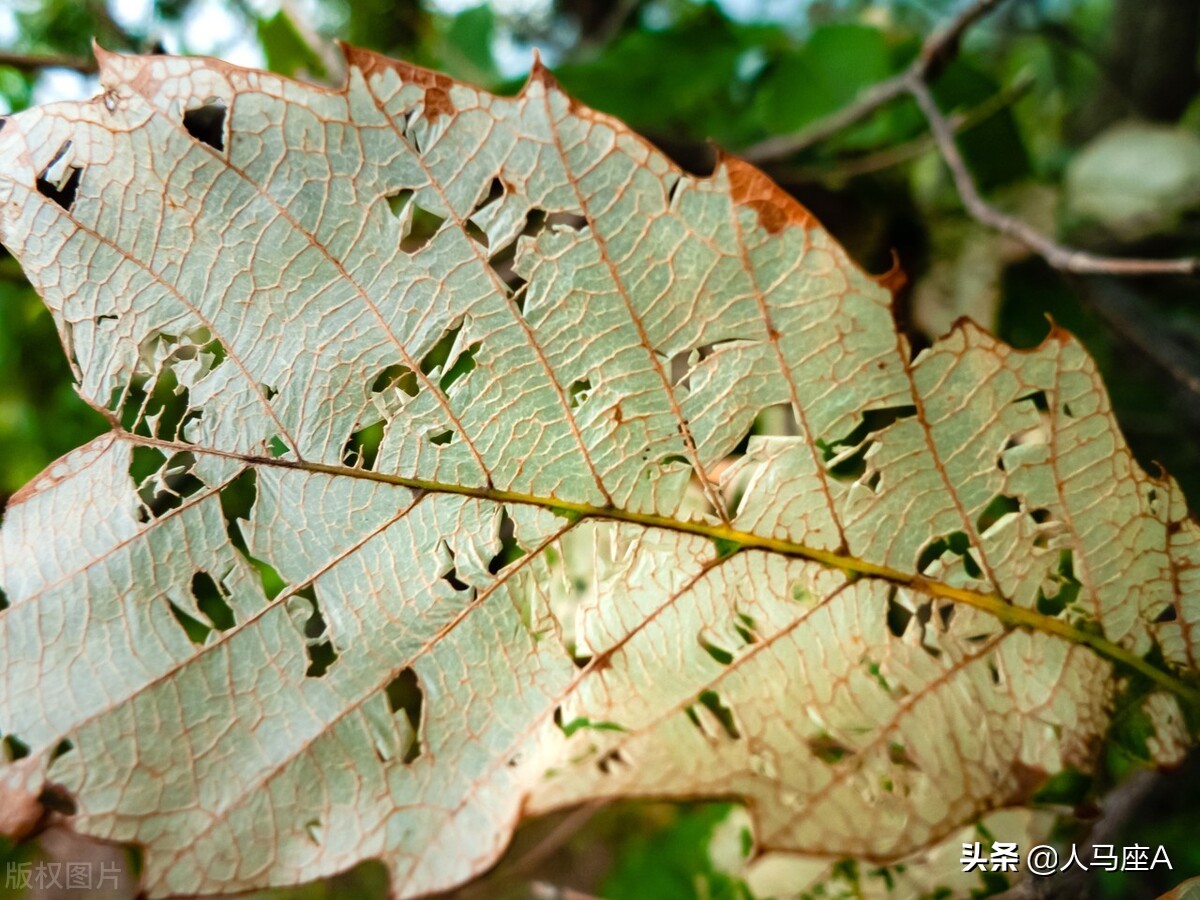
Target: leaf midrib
729,537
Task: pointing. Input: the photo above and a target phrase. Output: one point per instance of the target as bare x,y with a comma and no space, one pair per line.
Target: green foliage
675,862
41,416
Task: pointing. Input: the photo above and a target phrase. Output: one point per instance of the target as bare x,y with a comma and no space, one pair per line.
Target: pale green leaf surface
907,602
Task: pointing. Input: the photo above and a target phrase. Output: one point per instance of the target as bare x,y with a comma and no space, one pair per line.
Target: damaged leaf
470,460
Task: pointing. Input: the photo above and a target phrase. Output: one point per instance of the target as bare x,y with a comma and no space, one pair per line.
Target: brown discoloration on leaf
374,63
1026,781
776,208
438,103
895,278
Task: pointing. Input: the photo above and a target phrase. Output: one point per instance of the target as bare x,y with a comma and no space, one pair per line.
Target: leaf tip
539,74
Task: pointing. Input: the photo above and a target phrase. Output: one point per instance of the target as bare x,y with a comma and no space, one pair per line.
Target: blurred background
1081,117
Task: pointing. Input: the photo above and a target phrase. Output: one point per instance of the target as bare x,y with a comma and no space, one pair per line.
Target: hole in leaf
826,749
312,828
397,377
237,500
212,600
898,755
405,698
999,506
207,123
14,748
398,202
608,763
421,229
450,576
163,483
442,438
897,616
1167,615
317,641
720,654
60,187
872,421
3,600
1065,587
61,749
722,713
577,392
64,192
510,551
475,233
994,671
462,366
564,221
957,543
439,354
197,632
494,192
675,183
362,448
746,628
1037,398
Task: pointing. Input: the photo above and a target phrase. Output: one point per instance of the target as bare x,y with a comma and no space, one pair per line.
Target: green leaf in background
286,50
1134,180
832,68
676,862
41,416
685,83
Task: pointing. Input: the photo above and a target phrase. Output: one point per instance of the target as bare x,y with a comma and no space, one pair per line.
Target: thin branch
1119,807
1067,259
25,62
940,47
870,100
877,161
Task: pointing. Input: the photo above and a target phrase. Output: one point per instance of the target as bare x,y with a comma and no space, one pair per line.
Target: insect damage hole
510,551
406,701
206,123
212,599
60,183
305,612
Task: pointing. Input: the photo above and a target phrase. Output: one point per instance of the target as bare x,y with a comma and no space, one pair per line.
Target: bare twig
26,62
868,163
1065,258
870,100
939,47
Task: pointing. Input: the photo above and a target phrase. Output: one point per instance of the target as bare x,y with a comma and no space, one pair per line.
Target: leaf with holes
469,460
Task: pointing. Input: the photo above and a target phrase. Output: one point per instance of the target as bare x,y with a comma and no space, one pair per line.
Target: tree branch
24,62
870,100
1067,259
938,48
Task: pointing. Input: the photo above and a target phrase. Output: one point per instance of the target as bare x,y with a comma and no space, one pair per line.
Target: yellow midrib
1005,612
